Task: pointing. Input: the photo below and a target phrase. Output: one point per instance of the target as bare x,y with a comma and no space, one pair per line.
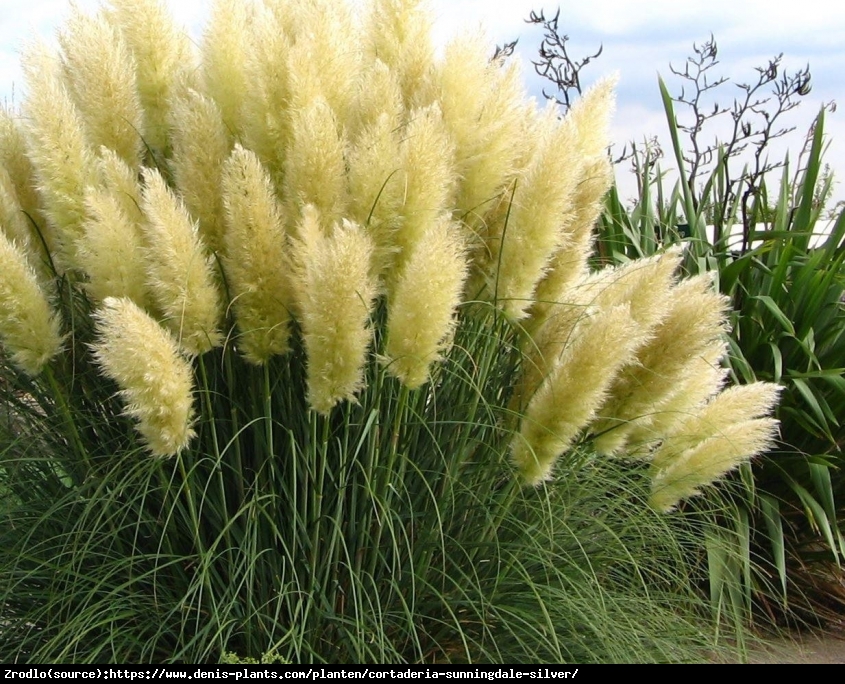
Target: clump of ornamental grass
301,355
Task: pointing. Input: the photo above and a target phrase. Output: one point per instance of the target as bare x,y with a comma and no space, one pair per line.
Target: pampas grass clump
339,289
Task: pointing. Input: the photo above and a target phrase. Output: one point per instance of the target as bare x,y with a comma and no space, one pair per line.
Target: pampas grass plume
201,143
155,380
29,329
335,294
539,211
110,251
163,59
100,75
225,46
710,460
315,168
180,273
14,158
256,262
568,399
421,315
693,322
60,152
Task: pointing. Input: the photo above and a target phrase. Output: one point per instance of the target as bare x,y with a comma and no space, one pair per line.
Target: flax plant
278,380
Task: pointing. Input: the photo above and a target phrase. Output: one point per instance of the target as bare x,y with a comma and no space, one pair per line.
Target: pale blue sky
639,38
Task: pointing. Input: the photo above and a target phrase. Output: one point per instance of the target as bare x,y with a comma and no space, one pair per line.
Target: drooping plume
155,380
570,396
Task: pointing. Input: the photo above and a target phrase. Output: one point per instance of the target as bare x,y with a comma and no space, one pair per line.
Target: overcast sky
640,39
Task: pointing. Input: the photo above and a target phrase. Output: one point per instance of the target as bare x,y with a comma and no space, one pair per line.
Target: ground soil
823,647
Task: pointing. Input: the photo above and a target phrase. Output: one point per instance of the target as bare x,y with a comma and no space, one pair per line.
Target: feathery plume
325,59
376,186
163,59
63,160
543,348
266,107
702,381
694,321
110,251
155,380
13,221
256,263
335,294
569,398
29,329
570,263
539,210
180,272
120,181
428,175
378,96
590,119
421,315
15,159
100,76
733,405
315,169
590,116
225,44
400,36
200,144
483,108
711,459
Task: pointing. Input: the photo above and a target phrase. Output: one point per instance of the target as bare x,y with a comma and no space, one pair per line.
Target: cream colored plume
538,212
569,264
163,60
266,105
705,377
400,36
568,399
376,185
120,181
590,116
256,261
427,175
60,152
315,169
201,144
110,251
14,158
483,106
155,380
422,310
29,329
325,58
225,48
100,76
709,460
180,271
14,222
378,95
736,404
335,294
695,320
